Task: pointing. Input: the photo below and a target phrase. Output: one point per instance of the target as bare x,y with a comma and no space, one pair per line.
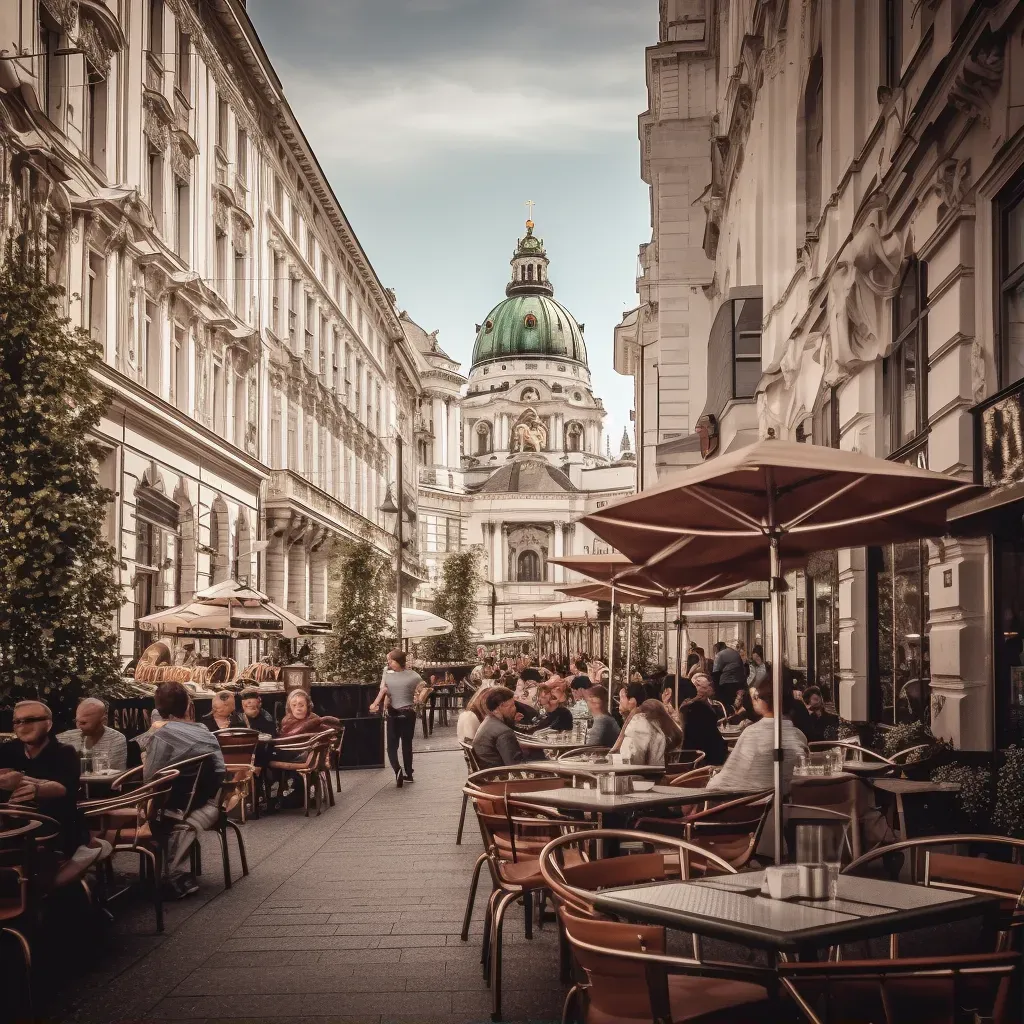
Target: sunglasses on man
30,721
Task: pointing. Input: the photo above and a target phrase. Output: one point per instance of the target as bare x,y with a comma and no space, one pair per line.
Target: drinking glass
100,762
821,844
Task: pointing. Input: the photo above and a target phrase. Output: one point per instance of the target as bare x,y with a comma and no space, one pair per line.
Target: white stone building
862,168
258,366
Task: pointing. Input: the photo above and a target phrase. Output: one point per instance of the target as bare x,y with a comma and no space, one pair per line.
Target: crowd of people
641,719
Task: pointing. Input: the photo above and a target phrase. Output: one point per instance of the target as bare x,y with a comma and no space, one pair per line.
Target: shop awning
987,512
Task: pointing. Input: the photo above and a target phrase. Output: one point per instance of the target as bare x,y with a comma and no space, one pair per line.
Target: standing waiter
399,684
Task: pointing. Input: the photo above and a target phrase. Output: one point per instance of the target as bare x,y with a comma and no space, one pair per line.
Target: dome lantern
530,267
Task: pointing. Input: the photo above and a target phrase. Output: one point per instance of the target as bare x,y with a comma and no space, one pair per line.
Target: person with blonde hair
648,735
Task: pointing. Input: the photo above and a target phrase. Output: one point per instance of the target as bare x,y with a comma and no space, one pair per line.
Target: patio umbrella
417,624
252,616
777,494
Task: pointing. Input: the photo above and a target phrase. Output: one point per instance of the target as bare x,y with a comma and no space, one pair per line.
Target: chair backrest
850,750
238,746
695,778
732,829
472,764
684,761
197,782
506,773
577,751
837,793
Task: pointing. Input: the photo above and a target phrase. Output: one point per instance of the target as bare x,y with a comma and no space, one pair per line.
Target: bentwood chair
18,889
684,761
335,758
134,822
311,767
939,990
238,746
472,765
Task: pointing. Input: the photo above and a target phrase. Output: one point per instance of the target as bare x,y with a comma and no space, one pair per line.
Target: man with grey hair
93,736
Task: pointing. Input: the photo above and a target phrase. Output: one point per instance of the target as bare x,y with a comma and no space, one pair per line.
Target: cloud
423,112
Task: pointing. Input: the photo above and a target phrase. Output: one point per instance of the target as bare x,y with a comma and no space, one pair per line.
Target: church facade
513,459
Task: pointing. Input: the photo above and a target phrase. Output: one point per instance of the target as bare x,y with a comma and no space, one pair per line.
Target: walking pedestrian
399,685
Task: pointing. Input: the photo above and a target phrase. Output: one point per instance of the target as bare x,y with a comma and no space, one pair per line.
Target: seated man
494,742
605,730
254,715
92,735
37,771
819,721
181,737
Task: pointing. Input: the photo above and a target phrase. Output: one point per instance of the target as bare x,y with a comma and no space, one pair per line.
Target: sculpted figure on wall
864,279
529,433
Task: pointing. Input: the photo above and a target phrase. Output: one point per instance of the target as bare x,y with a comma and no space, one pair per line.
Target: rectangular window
52,68
278,198
905,369
358,386
149,362
746,347
279,285
178,394
95,117
337,287
335,346
155,30
892,42
220,246
241,286
296,221
293,313
222,123
293,438
95,313
376,412
323,340
218,398
827,420
324,268
242,156
1010,261
241,412
310,247
310,320
182,219
156,186
183,70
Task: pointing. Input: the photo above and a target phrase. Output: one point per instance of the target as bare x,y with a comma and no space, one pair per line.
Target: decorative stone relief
980,75
64,12
91,43
154,128
951,182
979,383
529,433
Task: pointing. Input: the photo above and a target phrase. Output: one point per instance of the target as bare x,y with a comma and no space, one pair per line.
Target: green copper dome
529,325
529,322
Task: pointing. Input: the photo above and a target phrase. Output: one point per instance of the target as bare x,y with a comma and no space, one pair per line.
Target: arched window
241,550
220,567
528,567
529,272
483,438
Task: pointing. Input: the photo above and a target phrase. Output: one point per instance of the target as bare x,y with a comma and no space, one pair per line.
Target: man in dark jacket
494,742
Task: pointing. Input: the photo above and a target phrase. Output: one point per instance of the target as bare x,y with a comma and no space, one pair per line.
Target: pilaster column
440,425
960,639
558,573
853,634
503,553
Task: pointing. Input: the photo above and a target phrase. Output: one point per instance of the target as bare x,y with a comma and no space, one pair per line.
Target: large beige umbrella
777,495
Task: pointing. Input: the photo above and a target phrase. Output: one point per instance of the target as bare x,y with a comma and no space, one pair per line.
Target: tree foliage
455,600
361,585
644,647
58,594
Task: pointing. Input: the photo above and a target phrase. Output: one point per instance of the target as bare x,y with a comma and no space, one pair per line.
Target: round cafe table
95,784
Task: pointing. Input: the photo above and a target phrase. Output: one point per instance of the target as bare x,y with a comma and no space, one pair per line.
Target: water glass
100,762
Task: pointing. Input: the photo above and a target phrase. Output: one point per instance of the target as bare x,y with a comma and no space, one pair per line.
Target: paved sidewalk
353,916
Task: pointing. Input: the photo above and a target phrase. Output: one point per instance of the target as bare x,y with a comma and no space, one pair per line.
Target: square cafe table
730,907
584,767
569,798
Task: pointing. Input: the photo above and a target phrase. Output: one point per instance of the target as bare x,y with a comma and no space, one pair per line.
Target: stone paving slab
352,917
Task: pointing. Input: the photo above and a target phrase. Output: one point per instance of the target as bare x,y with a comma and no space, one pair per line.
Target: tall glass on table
822,844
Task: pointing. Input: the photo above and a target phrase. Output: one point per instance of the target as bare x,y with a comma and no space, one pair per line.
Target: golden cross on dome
530,204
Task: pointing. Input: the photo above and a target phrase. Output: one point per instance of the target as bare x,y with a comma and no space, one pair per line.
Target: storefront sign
1002,441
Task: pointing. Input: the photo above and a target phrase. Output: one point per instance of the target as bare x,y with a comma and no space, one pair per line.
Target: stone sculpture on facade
529,433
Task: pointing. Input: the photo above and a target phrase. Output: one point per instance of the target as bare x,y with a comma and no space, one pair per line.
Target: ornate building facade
513,460
259,369
860,170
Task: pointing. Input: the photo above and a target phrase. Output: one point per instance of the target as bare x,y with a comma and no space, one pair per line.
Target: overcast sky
437,119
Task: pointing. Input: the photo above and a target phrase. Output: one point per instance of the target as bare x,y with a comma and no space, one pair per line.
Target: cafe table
545,740
585,767
570,798
901,788
731,908
97,780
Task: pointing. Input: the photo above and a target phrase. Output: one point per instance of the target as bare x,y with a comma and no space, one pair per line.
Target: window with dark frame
905,369
746,347
814,133
155,38
95,117
183,72
826,425
892,42
1010,261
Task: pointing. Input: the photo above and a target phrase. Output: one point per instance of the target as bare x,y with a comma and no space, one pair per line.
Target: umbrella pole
679,644
776,584
629,643
611,645
664,633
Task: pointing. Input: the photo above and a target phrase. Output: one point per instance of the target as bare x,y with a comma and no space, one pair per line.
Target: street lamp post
389,507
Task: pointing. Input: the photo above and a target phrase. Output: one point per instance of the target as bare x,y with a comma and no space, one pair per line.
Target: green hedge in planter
976,797
1008,815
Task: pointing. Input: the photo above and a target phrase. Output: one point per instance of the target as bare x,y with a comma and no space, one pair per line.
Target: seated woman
700,731
750,766
472,715
554,715
649,736
300,720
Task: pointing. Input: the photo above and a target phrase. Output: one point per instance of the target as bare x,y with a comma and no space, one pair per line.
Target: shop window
899,668
1011,283
905,369
528,567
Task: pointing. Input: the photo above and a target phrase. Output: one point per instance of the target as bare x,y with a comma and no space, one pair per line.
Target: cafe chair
836,800
472,765
334,758
939,990
695,778
930,862
878,764
133,822
730,830
19,834
684,761
238,746
314,768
